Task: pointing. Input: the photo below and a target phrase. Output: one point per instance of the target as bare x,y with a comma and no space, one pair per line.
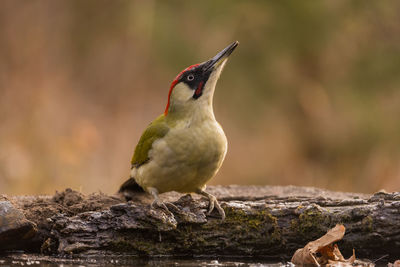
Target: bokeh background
311,96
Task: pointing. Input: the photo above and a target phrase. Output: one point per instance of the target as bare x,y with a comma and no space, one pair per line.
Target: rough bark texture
268,221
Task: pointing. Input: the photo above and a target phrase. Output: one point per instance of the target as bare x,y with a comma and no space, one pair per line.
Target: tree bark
266,221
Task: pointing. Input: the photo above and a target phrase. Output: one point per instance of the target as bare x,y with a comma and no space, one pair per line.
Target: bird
183,148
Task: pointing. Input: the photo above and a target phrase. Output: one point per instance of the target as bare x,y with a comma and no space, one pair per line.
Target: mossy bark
260,221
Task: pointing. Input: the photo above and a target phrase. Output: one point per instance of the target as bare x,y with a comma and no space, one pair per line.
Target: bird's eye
190,77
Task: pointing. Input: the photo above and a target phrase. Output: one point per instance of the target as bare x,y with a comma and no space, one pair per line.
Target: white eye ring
190,77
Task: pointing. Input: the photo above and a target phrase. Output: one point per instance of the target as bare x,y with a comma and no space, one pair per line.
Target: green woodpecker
183,148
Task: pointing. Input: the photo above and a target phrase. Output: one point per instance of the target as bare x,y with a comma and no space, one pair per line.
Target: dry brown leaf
395,264
307,255
323,252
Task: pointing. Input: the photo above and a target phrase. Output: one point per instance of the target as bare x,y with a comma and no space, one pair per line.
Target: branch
269,221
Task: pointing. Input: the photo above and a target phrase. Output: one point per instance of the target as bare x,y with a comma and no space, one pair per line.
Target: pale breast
186,158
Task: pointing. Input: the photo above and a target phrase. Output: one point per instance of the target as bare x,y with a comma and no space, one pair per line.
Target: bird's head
195,85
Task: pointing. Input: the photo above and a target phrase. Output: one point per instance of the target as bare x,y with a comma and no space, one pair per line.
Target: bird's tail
129,188
130,185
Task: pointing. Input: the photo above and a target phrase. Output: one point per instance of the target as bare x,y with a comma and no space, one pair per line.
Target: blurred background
310,97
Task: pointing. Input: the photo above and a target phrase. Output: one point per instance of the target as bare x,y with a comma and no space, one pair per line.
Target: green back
157,129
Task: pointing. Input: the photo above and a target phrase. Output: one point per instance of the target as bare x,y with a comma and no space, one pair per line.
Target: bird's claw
159,203
215,204
173,206
211,205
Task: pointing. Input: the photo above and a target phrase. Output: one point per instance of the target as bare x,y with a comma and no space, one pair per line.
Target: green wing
157,129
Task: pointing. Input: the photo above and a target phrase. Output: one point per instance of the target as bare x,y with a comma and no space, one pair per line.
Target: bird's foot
215,204
160,204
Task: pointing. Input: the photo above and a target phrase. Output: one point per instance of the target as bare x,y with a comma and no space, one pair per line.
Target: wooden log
262,221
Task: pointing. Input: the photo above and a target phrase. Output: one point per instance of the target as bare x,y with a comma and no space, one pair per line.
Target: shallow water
20,259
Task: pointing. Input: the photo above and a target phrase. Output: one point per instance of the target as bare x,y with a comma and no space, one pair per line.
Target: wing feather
157,129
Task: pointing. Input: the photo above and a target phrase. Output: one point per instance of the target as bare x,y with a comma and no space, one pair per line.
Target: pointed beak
220,57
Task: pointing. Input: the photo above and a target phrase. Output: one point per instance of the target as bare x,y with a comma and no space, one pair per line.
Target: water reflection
129,260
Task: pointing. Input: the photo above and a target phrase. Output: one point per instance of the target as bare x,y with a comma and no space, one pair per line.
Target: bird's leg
158,202
213,203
